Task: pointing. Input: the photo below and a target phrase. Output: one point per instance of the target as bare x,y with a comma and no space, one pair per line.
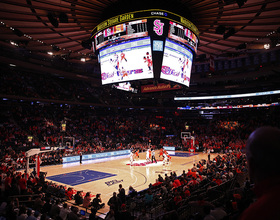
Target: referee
153,156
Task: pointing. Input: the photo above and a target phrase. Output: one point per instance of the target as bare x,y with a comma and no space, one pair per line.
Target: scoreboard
140,24
148,44
184,35
120,32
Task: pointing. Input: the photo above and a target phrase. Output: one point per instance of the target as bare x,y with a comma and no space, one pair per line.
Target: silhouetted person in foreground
263,152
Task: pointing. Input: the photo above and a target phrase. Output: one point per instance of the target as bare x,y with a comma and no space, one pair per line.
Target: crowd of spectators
25,125
95,133
30,195
176,191
92,131
25,84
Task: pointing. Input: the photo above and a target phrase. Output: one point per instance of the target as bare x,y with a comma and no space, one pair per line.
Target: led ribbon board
136,24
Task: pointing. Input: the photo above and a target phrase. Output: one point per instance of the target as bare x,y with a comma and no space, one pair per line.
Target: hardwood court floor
139,177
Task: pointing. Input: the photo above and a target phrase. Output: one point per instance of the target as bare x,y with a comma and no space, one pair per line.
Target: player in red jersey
136,154
161,152
123,56
148,155
124,73
168,157
148,60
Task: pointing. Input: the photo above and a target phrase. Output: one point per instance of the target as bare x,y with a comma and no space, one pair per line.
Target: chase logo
158,13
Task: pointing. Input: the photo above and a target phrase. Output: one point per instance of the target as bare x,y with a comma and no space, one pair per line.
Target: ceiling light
50,53
83,59
13,43
266,46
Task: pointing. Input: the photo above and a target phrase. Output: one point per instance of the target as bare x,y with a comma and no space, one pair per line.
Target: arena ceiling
228,28
247,24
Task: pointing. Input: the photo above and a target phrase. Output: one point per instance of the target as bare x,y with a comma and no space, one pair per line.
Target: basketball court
104,175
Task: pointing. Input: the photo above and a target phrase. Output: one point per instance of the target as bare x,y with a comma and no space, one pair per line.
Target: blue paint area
183,154
80,177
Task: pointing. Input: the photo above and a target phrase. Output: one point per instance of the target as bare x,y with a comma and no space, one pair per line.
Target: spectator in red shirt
22,184
69,193
187,192
176,183
8,183
177,199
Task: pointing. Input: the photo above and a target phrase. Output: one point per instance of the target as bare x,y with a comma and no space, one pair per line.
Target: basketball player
148,60
136,154
161,152
168,157
131,157
116,64
148,155
153,156
124,73
208,153
184,63
123,56
81,158
165,159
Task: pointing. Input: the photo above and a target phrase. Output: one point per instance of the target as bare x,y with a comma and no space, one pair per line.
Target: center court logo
158,27
113,182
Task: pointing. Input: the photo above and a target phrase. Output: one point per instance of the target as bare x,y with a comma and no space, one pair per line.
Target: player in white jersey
165,159
131,157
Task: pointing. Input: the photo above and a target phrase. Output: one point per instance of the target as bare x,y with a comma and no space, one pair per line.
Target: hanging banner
159,87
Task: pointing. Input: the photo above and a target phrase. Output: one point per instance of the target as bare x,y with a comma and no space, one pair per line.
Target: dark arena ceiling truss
228,28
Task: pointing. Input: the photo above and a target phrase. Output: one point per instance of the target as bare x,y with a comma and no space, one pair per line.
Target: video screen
127,61
176,63
121,32
126,86
183,35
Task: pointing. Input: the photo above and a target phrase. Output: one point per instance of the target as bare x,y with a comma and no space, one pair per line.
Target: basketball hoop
186,134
